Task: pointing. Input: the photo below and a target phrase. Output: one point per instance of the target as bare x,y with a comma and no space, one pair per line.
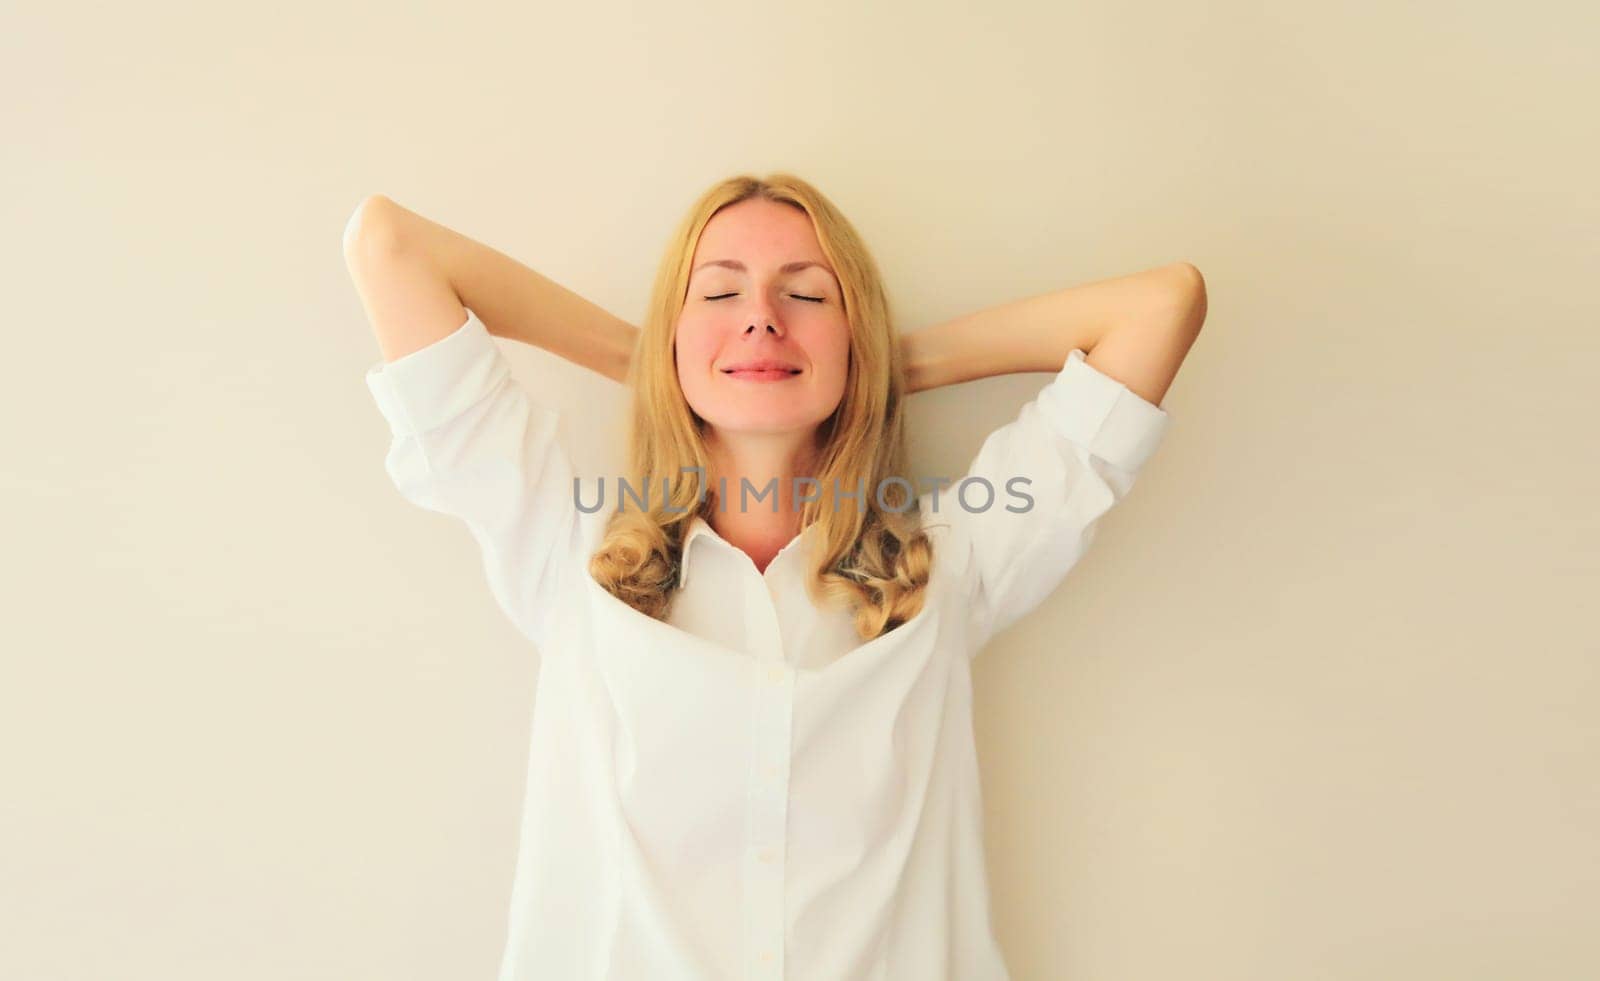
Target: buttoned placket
768,808
771,720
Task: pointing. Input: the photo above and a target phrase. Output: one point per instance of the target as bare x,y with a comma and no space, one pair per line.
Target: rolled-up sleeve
1070,455
470,442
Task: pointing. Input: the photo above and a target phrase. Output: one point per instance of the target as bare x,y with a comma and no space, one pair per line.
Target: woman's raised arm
415,276
1136,328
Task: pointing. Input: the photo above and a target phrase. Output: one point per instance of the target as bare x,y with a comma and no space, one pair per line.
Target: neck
769,465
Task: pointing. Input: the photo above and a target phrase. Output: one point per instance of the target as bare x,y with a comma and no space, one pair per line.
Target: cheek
694,351
693,345
838,348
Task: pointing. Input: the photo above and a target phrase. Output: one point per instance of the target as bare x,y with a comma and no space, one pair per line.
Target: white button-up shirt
748,790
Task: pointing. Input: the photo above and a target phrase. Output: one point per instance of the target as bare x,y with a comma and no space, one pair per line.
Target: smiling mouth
761,374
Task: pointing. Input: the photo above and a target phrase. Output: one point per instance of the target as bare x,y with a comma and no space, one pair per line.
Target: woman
752,750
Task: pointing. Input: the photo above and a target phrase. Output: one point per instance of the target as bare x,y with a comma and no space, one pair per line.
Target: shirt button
776,673
774,770
767,957
768,855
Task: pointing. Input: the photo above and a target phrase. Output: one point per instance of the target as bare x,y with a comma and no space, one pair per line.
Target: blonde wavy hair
871,560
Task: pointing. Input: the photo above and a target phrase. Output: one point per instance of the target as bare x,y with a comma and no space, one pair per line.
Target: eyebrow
787,267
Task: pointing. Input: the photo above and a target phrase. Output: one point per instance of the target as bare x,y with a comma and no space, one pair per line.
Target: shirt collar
700,528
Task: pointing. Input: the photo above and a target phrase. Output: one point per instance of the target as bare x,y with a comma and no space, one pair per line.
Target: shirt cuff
431,385
1096,411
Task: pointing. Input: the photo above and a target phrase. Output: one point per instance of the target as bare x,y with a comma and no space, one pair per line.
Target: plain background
1321,703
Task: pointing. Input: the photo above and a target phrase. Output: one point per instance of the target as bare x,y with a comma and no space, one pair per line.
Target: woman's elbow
1188,294
371,230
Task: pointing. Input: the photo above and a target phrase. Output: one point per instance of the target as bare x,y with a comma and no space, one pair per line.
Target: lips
762,374
763,364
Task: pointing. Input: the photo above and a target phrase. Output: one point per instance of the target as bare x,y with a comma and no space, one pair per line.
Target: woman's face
762,312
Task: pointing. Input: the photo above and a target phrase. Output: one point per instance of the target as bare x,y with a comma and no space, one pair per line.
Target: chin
754,423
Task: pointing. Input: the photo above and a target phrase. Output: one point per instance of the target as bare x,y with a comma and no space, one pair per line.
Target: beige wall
1320,704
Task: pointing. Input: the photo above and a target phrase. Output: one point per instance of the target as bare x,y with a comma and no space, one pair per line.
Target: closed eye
813,299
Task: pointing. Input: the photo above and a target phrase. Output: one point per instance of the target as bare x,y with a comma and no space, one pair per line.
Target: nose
762,312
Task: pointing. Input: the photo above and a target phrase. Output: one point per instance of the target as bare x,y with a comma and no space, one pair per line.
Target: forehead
758,234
